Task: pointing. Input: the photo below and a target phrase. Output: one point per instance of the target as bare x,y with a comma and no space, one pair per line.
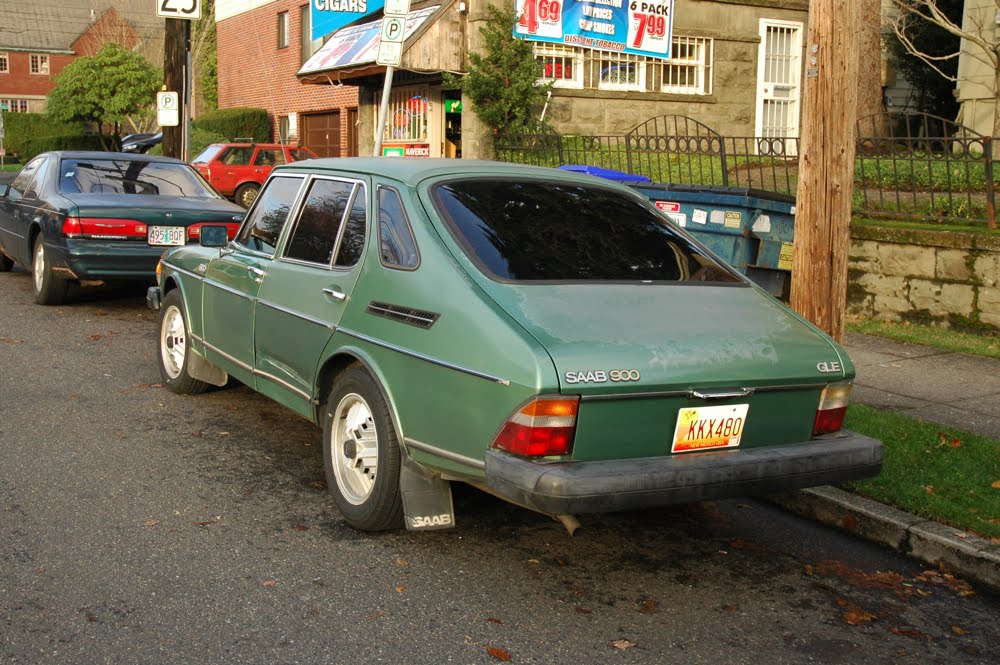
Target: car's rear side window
315,235
536,230
261,230
299,155
269,157
397,248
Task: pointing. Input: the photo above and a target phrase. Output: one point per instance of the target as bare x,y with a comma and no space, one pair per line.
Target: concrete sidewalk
942,387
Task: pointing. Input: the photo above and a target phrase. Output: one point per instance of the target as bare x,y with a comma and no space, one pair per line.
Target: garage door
321,133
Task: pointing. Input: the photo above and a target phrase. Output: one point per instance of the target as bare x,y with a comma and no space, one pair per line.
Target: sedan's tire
173,349
361,453
50,289
246,194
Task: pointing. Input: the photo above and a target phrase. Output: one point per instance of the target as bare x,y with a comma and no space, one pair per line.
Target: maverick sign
626,26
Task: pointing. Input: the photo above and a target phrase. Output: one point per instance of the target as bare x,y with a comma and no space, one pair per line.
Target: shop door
779,71
321,132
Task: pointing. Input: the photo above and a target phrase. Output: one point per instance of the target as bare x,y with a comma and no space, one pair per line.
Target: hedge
34,146
20,127
237,123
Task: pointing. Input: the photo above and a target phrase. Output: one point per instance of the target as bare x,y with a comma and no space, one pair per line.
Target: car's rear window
207,155
122,176
533,230
298,154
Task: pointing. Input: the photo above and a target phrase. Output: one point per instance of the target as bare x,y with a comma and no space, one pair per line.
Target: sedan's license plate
166,235
709,427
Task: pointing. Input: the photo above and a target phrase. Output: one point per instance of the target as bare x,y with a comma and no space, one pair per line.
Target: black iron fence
907,166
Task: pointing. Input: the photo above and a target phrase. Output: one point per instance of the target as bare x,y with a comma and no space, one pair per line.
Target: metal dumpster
750,229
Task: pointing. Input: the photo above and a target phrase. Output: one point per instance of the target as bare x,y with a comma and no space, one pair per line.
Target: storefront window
407,116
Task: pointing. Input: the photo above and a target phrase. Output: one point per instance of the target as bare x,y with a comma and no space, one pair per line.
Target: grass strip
937,472
946,339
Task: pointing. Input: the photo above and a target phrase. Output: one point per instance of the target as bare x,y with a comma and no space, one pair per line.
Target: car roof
97,154
260,145
412,170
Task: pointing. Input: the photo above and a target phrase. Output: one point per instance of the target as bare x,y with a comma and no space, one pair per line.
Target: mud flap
199,368
426,497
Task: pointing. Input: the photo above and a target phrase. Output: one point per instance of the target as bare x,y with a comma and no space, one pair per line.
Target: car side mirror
214,235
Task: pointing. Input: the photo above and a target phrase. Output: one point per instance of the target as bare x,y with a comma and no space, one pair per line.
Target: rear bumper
565,488
97,260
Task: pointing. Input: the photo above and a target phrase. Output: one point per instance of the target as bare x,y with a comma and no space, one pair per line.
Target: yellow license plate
709,427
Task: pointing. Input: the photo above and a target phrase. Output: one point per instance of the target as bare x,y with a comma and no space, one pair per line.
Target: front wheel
246,194
50,289
361,453
173,349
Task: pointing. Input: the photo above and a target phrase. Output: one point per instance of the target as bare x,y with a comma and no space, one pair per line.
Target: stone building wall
948,278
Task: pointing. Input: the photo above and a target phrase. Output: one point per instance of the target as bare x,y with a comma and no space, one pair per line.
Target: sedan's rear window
538,230
123,176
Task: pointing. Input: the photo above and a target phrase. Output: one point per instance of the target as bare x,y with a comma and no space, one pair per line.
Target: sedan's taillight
832,408
540,428
103,228
194,231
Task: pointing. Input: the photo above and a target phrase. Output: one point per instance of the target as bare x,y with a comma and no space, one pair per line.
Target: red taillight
103,228
832,408
194,231
541,428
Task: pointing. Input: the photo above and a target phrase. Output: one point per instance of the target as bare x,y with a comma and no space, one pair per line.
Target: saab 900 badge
602,376
828,367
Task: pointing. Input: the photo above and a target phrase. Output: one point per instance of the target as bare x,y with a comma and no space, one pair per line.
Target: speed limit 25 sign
184,9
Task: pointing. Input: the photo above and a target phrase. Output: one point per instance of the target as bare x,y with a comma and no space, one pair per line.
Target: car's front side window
352,242
261,230
315,235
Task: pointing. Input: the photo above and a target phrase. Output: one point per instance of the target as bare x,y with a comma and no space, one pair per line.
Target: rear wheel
361,453
50,289
172,347
246,194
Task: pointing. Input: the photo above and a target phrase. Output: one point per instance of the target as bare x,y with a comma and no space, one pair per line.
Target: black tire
356,419
246,194
172,350
50,289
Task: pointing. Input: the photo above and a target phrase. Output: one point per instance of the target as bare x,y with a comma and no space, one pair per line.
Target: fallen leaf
809,569
202,523
582,610
151,522
400,589
958,630
375,616
907,632
623,644
269,583
648,607
996,485
10,340
402,563
494,620
848,523
317,485
499,654
300,527
730,608
96,337
929,489
536,561
854,615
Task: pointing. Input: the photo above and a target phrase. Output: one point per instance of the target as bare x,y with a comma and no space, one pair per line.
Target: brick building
38,41
261,46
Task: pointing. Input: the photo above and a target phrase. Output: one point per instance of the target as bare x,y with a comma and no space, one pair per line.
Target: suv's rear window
123,176
540,230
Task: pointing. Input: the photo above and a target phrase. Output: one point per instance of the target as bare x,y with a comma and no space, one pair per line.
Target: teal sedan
548,337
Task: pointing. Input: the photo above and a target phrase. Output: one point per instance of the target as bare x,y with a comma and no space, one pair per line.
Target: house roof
53,25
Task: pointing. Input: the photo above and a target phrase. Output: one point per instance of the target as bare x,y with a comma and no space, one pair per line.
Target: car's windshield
122,176
207,155
532,230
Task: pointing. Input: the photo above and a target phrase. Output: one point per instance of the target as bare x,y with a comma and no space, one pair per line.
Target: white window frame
700,64
14,105
608,64
4,63
39,64
561,54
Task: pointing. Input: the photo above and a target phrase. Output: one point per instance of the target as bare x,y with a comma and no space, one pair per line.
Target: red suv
237,170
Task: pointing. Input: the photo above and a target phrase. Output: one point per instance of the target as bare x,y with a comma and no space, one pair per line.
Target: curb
968,556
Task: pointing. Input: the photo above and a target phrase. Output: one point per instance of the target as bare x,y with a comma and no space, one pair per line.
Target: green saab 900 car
548,337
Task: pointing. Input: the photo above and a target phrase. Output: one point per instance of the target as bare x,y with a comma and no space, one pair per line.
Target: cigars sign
625,26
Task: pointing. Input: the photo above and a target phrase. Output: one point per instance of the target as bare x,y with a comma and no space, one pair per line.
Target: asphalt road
137,526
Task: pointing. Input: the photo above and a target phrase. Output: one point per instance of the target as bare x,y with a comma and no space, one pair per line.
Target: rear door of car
303,295
264,161
233,279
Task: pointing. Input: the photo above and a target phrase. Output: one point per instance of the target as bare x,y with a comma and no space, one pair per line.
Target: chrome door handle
334,293
256,273
722,394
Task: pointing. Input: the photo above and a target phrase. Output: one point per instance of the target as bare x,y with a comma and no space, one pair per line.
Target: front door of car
233,279
304,293
235,166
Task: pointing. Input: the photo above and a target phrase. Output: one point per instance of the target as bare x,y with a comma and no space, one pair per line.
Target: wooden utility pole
826,165
174,56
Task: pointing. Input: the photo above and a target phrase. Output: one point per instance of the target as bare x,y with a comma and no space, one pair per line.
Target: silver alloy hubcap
173,341
354,448
39,268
